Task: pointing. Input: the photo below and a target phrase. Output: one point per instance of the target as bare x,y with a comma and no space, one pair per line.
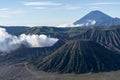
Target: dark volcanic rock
31,54
80,57
108,38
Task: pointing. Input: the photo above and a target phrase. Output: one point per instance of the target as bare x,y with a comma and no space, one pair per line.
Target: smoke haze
70,25
10,42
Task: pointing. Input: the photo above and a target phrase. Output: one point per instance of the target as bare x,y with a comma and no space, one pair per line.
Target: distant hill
107,36
30,54
15,30
80,57
97,19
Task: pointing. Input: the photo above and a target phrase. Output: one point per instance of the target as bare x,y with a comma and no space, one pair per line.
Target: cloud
10,42
70,7
4,16
106,3
3,9
47,3
94,7
5,12
39,8
16,12
70,25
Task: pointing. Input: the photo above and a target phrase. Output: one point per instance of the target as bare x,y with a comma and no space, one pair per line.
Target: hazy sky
52,12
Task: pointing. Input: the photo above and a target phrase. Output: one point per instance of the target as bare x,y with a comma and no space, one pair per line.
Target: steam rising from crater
10,42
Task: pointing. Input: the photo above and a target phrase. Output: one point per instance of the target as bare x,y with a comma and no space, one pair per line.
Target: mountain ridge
80,56
97,18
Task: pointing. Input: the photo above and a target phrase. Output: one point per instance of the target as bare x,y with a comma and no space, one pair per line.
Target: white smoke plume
70,25
10,42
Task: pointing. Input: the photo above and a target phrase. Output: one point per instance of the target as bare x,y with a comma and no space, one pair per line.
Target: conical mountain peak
97,18
97,11
80,57
98,14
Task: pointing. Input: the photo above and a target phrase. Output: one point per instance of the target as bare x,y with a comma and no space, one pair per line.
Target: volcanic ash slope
80,57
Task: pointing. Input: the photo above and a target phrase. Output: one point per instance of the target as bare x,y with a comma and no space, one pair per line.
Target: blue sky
52,12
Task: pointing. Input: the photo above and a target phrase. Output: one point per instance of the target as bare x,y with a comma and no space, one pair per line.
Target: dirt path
15,72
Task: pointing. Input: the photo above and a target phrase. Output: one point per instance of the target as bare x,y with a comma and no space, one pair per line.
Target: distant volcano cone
97,19
80,57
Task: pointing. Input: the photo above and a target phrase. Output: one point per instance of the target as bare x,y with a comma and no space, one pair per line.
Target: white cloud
10,42
40,8
72,7
106,3
68,7
70,25
94,7
91,22
47,3
16,12
4,16
3,9
5,13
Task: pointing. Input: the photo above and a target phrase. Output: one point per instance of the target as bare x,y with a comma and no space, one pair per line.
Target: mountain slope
107,37
30,54
97,19
15,30
80,57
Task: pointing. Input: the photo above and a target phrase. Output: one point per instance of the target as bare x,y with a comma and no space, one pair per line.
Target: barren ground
20,71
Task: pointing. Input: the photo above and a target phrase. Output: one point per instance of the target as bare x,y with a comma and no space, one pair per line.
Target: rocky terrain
80,57
88,52
107,37
21,71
